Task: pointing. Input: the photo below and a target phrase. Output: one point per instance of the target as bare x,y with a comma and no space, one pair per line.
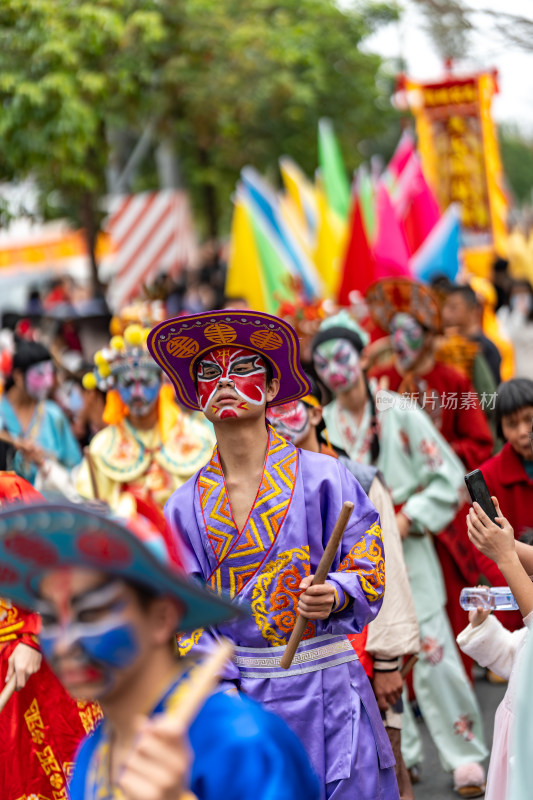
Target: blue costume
240,752
49,429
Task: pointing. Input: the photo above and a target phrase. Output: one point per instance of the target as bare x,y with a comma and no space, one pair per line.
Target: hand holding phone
475,483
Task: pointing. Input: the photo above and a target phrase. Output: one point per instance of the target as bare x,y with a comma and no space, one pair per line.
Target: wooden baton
7,691
320,576
203,680
408,666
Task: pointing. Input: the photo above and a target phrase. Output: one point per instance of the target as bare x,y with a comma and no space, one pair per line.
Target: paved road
437,784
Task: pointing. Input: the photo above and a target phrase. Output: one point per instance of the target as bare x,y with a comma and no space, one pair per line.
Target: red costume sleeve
470,437
18,624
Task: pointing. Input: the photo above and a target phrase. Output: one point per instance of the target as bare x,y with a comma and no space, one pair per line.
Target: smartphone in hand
475,483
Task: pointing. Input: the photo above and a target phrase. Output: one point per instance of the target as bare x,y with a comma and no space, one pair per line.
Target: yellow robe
153,462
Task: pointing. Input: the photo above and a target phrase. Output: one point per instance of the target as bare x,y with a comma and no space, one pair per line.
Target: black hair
316,389
145,594
527,537
318,394
523,283
27,355
269,371
337,332
511,396
467,293
441,283
500,265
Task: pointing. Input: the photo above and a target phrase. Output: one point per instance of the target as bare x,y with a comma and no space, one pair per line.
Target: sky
489,49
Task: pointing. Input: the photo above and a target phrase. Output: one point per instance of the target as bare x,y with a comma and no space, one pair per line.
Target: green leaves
231,82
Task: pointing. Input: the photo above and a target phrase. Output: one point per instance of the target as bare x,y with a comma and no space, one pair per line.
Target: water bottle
497,598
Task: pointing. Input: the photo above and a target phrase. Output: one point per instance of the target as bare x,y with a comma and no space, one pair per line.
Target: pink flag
404,150
415,204
390,249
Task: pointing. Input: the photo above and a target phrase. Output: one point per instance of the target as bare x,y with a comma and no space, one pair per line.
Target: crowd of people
177,488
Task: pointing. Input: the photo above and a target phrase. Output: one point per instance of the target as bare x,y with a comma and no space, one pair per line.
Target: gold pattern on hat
220,333
182,347
266,340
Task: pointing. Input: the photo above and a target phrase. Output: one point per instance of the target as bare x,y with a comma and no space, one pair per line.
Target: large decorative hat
124,353
178,344
390,296
39,537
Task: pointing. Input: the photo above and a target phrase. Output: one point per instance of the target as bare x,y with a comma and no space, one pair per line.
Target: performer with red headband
256,520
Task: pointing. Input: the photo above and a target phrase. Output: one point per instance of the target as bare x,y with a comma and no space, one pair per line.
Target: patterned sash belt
312,655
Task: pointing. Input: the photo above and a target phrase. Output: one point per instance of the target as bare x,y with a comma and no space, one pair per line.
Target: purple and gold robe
325,696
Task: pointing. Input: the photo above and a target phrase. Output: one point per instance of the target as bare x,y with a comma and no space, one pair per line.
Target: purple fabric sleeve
327,487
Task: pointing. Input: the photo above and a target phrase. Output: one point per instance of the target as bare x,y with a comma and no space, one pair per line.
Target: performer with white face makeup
38,425
410,313
255,521
425,478
150,446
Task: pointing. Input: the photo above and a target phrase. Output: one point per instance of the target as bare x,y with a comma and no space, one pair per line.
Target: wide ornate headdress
123,354
389,296
178,344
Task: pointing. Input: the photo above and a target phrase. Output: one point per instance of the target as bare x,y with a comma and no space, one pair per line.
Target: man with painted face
425,477
150,446
112,595
40,430
39,716
255,522
393,634
409,312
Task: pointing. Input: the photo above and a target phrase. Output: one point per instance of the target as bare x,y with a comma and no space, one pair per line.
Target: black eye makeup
246,365
207,371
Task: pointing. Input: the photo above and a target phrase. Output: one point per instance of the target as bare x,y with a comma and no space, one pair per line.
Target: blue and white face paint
139,388
87,638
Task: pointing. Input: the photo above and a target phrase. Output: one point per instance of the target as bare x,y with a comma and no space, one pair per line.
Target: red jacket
507,479
457,414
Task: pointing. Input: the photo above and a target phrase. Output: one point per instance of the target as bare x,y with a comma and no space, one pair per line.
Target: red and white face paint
291,420
230,381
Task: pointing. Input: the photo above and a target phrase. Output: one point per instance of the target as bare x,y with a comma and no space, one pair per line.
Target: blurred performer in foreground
41,726
111,601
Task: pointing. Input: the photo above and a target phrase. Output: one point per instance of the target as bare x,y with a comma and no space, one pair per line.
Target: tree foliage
517,157
230,82
452,23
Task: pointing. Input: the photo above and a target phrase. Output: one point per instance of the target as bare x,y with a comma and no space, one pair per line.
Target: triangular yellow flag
330,242
244,277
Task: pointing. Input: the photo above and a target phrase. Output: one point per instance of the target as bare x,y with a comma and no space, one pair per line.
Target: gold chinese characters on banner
458,145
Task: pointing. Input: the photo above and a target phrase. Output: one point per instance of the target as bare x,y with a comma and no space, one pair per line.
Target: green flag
332,169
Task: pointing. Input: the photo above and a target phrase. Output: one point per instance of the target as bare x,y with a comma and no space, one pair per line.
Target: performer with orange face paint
255,521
